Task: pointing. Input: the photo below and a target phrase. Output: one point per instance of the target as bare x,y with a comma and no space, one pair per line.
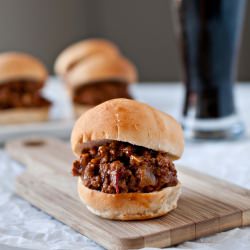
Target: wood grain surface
207,205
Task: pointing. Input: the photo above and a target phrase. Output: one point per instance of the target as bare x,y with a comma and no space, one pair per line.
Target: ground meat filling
18,94
96,93
119,167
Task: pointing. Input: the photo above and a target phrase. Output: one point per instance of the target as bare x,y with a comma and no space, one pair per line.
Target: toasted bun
129,206
82,50
16,65
100,68
128,121
22,115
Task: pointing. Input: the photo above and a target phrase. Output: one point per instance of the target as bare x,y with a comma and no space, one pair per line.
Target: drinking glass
209,34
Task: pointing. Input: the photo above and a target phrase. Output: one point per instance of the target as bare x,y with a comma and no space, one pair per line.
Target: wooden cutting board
207,205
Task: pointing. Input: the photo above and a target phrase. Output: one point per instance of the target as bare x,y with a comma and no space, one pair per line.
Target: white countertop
24,227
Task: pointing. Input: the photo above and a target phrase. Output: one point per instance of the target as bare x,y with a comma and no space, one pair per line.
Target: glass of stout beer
209,35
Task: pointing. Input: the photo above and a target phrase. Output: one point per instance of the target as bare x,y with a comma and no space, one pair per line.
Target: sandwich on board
125,166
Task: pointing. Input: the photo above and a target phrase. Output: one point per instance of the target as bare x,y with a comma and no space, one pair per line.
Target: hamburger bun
24,115
129,206
139,124
99,68
82,50
128,121
16,66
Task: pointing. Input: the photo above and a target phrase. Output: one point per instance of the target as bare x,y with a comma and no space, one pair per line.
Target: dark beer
209,32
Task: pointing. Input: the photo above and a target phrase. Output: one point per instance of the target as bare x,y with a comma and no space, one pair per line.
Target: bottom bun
80,109
24,115
130,206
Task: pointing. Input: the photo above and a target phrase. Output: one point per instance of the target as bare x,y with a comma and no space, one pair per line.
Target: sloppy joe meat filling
96,93
119,167
22,93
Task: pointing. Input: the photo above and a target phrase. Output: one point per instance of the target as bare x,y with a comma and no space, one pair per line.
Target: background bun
79,109
24,115
129,121
130,206
102,68
82,50
16,66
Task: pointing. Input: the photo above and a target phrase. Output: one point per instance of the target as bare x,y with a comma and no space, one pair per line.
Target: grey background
143,29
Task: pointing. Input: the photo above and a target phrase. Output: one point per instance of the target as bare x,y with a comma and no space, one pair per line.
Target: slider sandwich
125,152
99,79
22,78
98,73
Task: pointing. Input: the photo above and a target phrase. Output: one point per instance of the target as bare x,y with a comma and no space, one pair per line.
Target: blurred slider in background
22,78
94,71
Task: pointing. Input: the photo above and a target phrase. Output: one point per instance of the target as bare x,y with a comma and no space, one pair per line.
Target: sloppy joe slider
94,71
99,79
21,79
125,166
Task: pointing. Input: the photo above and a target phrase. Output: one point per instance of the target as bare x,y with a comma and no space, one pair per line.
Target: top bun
100,68
16,65
82,50
128,121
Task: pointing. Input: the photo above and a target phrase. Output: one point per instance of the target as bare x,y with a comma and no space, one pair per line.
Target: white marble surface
24,227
